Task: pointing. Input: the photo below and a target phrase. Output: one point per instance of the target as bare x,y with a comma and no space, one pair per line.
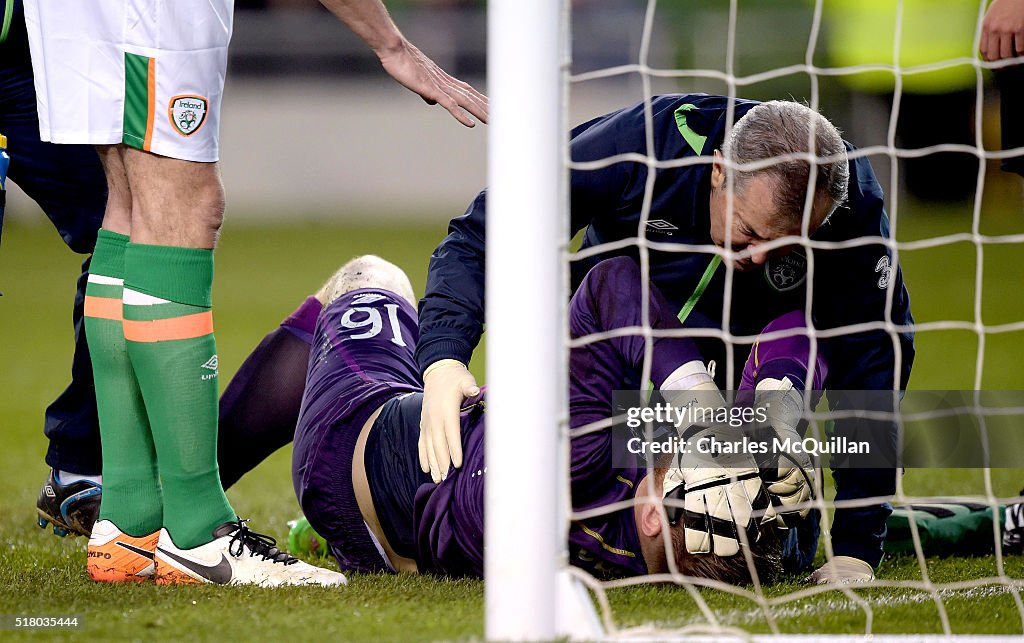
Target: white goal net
905,85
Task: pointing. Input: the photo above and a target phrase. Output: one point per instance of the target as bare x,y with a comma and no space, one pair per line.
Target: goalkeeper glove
692,375
789,485
721,492
717,504
842,569
446,383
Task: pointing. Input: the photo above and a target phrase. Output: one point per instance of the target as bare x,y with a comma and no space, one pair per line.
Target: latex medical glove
842,569
446,383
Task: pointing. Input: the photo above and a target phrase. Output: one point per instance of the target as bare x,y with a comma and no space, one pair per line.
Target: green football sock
168,325
131,484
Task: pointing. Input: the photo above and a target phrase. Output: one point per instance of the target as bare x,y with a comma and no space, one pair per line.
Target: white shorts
146,73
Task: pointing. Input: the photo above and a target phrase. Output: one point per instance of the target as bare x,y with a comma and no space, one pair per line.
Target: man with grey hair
773,190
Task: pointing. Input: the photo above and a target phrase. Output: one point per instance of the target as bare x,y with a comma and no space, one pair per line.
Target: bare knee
210,204
174,202
367,271
200,212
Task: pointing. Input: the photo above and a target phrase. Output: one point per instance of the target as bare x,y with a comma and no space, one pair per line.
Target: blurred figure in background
935,107
1002,36
69,186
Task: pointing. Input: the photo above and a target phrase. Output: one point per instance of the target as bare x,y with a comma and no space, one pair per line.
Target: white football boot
236,556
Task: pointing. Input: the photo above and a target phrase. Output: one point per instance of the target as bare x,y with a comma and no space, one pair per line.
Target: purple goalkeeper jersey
357,365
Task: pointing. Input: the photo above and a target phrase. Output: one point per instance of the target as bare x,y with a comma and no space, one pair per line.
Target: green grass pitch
263,273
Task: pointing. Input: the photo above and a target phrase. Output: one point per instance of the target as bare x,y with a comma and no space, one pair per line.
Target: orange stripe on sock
151,107
103,308
162,330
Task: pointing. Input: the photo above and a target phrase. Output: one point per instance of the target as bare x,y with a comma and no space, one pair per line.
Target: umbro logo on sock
211,364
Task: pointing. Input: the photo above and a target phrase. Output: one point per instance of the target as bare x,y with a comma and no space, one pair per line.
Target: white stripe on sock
106,281
133,298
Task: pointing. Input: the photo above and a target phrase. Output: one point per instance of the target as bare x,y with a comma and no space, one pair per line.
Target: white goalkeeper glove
718,503
446,383
722,493
789,481
691,376
842,570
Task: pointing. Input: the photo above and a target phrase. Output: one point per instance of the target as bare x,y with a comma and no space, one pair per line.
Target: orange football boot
116,557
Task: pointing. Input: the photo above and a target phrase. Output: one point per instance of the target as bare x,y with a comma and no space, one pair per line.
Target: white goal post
525,528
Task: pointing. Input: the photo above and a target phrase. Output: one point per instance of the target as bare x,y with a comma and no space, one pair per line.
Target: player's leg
71,422
67,182
1011,100
79,82
169,332
235,554
168,325
171,90
132,507
260,407
938,176
70,496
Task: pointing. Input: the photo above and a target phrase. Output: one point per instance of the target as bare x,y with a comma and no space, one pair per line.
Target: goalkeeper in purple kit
356,464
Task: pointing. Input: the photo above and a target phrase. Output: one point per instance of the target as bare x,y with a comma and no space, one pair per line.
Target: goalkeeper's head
771,159
367,271
654,523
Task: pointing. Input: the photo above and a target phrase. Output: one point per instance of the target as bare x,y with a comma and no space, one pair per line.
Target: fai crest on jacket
786,272
187,113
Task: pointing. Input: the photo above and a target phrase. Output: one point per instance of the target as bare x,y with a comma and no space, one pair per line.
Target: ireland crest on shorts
187,113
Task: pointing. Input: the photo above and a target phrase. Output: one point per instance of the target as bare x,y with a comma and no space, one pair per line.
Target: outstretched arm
451,322
369,19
